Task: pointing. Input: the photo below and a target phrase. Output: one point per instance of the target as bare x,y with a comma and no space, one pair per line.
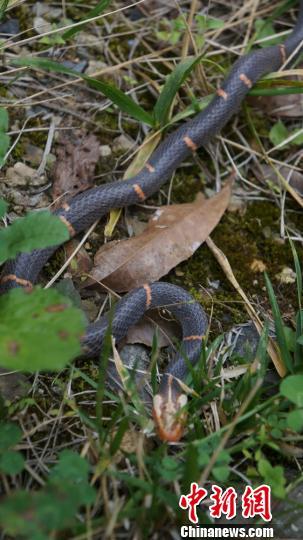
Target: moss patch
244,240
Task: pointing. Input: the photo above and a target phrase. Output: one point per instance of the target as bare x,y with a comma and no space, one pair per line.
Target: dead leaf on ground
173,234
288,106
77,156
284,106
159,4
82,262
295,178
143,332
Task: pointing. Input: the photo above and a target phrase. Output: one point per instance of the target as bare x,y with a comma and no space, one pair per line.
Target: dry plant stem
70,258
189,37
224,263
229,432
259,154
102,71
8,43
250,23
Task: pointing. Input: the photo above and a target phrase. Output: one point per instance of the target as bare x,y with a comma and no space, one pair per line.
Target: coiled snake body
83,209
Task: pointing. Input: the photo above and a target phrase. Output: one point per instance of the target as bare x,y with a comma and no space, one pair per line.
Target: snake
78,213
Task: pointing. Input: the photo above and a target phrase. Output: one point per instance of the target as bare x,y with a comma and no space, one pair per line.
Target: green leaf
169,469
3,208
273,476
113,93
34,231
38,331
292,389
171,87
208,23
264,28
221,473
70,467
278,133
4,144
10,435
290,337
92,13
11,462
279,327
36,514
3,119
299,138
295,420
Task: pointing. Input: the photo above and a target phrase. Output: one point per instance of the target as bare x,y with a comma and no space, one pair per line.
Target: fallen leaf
283,106
159,4
81,263
287,106
173,234
295,178
77,157
143,332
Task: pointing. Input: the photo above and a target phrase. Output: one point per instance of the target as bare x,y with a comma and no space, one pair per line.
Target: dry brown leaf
295,178
173,234
143,332
81,263
287,105
76,161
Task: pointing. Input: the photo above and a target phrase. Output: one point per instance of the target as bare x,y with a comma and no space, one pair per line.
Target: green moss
244,240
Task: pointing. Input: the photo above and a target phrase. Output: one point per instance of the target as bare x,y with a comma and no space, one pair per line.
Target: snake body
83,209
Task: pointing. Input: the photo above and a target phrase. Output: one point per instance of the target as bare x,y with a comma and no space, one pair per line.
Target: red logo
191,501
255,502
224,502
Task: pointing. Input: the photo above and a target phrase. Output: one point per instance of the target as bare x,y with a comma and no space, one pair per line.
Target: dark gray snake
83,209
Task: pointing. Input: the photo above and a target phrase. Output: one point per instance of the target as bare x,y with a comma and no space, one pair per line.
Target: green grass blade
92,13
171,87
278,91
3,7
281,338
298,273
298,353
124,102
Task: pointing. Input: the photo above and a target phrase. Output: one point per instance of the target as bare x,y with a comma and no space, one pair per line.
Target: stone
105,150
23,175
123,143
41,25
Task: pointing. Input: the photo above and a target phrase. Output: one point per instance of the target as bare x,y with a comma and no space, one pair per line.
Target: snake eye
170,416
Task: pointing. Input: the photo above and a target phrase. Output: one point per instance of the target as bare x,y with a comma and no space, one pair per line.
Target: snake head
168,410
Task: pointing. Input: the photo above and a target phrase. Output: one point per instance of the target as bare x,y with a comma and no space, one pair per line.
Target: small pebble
105,150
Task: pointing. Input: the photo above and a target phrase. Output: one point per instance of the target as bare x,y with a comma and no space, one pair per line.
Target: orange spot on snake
71,229
139,192
20,281
283,53
150,168
148,295
222,93
66,207
190,143
245,80
192,338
